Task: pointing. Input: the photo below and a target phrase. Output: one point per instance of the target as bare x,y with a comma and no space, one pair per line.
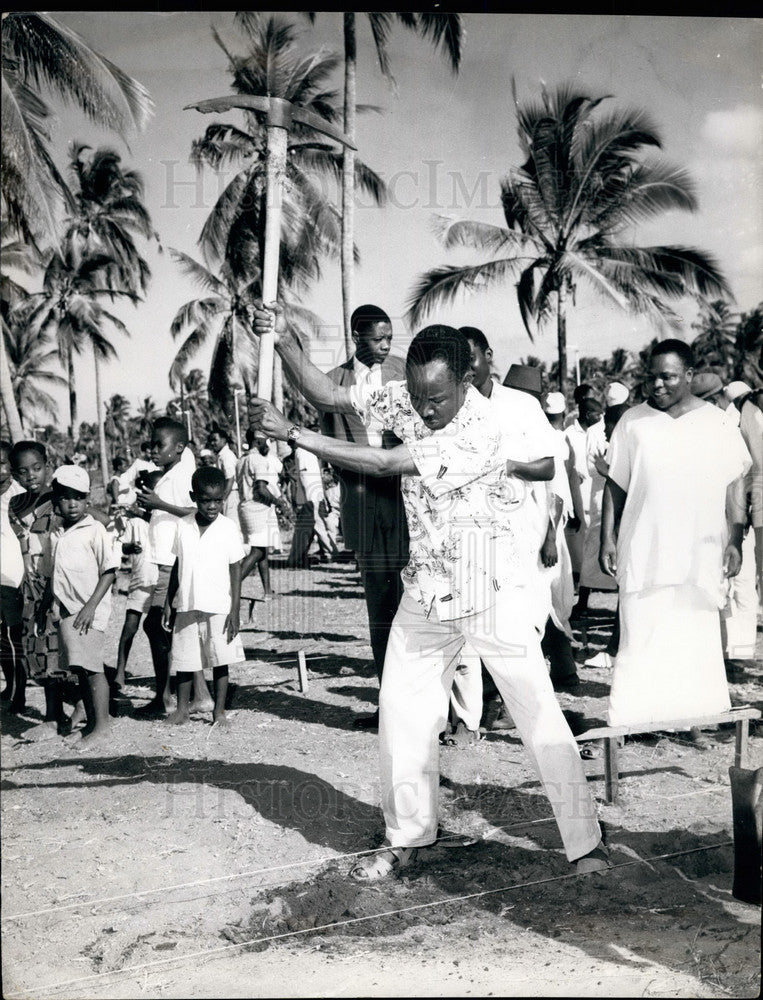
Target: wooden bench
610,736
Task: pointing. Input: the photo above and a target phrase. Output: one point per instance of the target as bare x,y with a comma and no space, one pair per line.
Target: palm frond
198,273
442,285
51,53
446,32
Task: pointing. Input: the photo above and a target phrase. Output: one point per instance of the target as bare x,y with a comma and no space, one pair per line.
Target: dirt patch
188,862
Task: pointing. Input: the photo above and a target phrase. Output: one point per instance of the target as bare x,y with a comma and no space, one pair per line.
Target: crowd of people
481,514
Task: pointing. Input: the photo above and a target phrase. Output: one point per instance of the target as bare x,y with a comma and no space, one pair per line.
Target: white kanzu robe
670,547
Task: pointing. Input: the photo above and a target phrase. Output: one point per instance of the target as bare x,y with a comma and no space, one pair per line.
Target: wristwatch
293,434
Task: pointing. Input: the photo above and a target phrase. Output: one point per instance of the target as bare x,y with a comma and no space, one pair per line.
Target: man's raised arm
317,388
345,454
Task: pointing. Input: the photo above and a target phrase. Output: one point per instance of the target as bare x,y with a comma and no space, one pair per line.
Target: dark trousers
383,590
304,529
380,565
558,648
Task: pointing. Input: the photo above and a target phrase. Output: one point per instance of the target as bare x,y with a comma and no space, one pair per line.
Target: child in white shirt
206,578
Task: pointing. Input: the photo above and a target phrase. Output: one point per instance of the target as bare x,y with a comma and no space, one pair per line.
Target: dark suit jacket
373,517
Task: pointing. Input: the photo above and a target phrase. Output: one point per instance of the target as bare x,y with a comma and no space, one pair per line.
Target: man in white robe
675,465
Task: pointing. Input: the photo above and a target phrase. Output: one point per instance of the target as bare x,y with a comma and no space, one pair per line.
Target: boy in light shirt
169,501
206,578
83,565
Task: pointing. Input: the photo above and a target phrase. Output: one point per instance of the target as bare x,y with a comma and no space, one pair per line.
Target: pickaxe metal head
280,113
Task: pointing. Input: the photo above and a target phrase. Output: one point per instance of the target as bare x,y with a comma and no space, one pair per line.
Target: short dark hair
6,447
119,461
178,429
580,392
476,336
589,406
21,446
674,346
441,343
207,475
364,317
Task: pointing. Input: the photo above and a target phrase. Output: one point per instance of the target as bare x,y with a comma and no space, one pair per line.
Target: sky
442,143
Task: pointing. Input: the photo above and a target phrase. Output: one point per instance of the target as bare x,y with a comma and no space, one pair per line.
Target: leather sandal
383,863
461,737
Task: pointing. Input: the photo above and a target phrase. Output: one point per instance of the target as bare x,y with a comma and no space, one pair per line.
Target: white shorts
259,525
140,600
199,642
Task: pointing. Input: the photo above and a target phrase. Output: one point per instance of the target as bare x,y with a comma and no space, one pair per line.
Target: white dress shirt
204,562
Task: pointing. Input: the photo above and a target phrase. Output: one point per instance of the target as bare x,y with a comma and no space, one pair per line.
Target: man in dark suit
372,514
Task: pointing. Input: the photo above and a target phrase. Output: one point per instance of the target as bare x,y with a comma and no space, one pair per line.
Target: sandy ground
187,862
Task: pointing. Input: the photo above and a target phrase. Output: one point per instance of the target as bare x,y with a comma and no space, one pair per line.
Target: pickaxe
280,115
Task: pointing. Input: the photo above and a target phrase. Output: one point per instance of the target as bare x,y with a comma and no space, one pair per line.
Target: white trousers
739,621
466,693
422,655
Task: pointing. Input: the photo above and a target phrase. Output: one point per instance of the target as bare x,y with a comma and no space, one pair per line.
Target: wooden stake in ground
302,670
281,115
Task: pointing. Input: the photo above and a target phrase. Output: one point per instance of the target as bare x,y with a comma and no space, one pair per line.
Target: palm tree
569,210
192,405
69,306
234,231
223,315
20,256
748,365
30,359
715,343
39,52
109,214
143,421
446,32
116,421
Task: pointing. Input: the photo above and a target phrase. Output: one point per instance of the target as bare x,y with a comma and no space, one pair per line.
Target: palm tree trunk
101,423
348,177
561,334
15,430
72,392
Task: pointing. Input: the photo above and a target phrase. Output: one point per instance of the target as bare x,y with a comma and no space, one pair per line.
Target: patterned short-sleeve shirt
462,508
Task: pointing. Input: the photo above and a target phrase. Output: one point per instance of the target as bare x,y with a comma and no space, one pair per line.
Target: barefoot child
143,576
207,580
83,566
168,502
33,518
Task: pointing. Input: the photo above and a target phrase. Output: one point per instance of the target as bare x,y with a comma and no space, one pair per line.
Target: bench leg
611,772
740,747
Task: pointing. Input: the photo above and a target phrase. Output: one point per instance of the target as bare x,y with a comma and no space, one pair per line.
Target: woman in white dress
676,467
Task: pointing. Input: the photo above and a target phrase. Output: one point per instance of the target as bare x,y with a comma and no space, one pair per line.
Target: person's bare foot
205,705
44,731
221,721
78,715
178,718
96,739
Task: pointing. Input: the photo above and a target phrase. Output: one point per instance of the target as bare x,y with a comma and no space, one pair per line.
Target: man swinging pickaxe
280,115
